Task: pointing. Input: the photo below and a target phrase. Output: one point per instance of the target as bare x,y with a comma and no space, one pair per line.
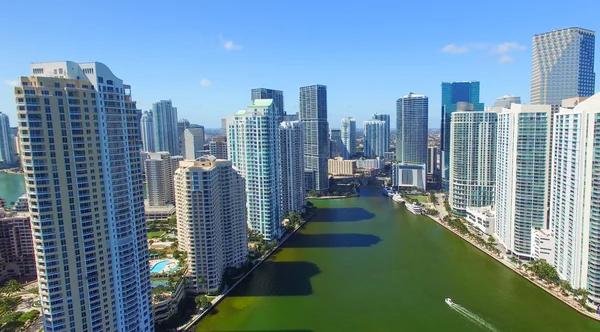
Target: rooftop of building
12,214
414,95
565,29
262,103
488,211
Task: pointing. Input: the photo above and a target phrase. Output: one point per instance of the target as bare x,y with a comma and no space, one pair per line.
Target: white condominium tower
472,159
575,195
374,143
253,147
160,168
80,138
387,137
348,133
562,65
147,132
522,175
211,220
164,117
412,125
291,141
313,114
193,142
7,151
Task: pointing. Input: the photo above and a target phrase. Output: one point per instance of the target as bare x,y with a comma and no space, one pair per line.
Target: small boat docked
449,301
414,208
398,198
388,191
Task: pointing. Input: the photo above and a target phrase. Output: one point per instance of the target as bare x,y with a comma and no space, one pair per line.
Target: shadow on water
264,331
278,279
342,240
341,215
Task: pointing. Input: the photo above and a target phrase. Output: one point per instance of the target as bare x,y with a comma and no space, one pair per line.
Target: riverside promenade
554,291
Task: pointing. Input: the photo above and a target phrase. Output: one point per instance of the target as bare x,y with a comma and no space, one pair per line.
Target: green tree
201,302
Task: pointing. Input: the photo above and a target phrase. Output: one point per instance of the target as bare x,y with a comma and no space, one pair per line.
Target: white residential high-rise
412,125
253,147
83,177
7,151
522,175
211,220
159,169
575,195
374,143
387,133
313,113
291,141
507,100
193,142
147,132
562,65
348,133
164,117
276,95
472,159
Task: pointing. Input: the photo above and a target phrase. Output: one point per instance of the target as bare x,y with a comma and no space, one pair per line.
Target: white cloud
205,83
12,83
455,49
506,59
507,47
229,45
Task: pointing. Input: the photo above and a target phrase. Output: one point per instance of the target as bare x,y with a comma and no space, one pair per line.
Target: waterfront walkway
554,291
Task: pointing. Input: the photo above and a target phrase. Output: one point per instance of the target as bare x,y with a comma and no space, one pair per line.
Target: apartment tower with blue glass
276,95
386,134
348,133
313,113
164,117
412,114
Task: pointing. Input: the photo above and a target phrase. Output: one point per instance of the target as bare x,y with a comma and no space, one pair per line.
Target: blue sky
207,55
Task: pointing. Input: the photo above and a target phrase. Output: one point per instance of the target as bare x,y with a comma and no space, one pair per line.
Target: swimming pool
158,267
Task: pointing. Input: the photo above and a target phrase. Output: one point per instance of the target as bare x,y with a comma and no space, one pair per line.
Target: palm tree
565,287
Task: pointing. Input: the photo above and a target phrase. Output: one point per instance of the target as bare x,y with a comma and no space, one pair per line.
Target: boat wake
472,316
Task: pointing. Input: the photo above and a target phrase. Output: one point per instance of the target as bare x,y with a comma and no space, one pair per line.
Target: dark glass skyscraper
313,113
454,93
276,95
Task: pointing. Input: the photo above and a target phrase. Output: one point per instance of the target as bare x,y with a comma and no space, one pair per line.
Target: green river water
12,186
367,264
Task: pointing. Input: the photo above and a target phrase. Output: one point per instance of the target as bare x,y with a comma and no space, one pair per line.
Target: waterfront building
405,175
432,161
22,204
147,132
218,147
293,193
253,147
16,247
276,95
507,100
375,163
87,219
160,168
472,159
456,96
211,220
7,151
340,167
348,133
387,129
522,175
193,142
412,128
543,245
313,113
374,143
166,134
482,218
575,196
562,65
335,143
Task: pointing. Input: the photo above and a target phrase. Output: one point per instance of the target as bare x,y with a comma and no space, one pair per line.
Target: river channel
367,264
12,186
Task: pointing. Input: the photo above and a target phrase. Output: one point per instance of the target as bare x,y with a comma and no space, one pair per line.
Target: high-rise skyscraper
276,95
147,132
522,174
432,161
313,113
562,65
160,168
348,133
575,196
412,128
374,142
335,143
454,97
7,150
193,142
213,234
218,147
86,203
507,100
164,117
253,147
291,141
472,159
387,137
182,125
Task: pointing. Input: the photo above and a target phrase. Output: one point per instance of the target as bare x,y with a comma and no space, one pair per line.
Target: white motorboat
414,208
398,198
449,301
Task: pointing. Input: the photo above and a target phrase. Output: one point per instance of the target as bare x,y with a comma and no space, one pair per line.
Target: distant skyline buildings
165,121
374,139
387,129
412,112
348,137
159,168
193,142
562,65
507,100
147,132
313,113
7,143
335,143
276,95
